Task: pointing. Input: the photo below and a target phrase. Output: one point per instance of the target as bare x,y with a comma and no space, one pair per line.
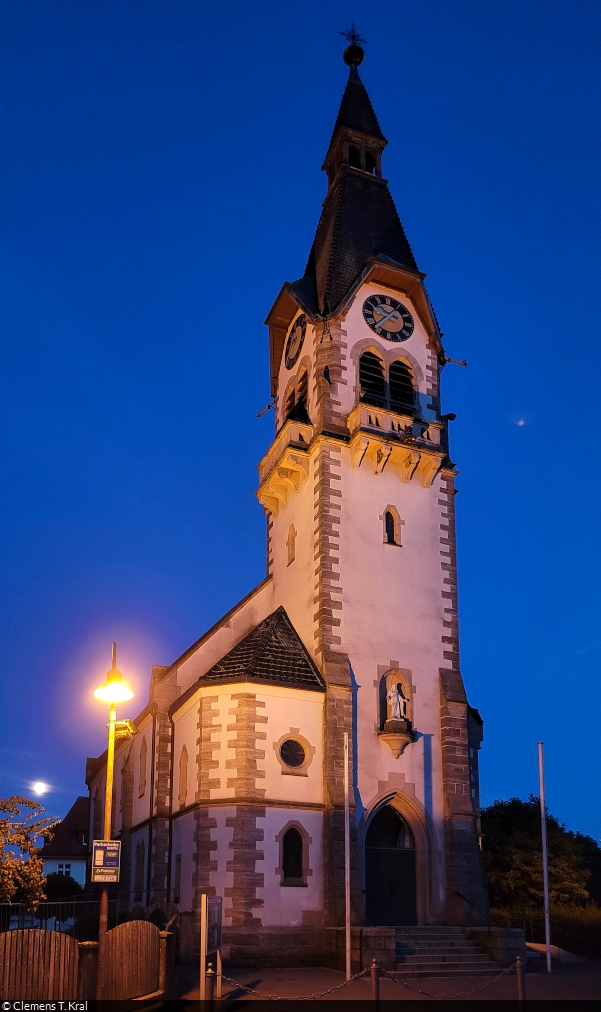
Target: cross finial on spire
354,53
352,36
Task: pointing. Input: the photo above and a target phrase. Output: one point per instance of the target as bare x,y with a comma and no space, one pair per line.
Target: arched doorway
390,893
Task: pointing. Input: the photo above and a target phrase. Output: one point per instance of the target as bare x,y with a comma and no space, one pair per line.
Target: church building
233,783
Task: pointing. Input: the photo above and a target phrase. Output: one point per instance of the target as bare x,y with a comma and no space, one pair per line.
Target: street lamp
112,692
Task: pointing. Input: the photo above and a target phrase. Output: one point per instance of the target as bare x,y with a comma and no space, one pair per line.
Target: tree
61,887
512,856
21,867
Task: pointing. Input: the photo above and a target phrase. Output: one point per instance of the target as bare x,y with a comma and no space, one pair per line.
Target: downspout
151,813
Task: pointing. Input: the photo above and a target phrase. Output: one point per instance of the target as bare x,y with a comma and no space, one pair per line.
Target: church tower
233,785
359,491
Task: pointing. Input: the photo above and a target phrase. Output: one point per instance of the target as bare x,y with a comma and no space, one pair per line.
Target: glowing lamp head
114,689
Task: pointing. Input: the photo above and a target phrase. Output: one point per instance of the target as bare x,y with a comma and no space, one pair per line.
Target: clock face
388,318
295,340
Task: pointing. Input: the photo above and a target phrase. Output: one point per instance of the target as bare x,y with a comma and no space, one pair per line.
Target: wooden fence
38,965
133,951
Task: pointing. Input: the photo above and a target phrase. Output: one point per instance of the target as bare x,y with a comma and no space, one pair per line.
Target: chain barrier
464,994
296,997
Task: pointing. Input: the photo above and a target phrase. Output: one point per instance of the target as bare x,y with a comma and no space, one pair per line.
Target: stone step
437,971
453,946
442,957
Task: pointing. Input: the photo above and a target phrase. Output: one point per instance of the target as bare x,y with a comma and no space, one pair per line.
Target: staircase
440,951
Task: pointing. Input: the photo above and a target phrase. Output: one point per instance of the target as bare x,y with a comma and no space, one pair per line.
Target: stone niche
396,710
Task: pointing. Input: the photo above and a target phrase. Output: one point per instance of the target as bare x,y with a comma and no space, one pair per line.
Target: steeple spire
359,221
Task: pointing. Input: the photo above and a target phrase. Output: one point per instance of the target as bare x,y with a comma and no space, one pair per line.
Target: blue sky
161,158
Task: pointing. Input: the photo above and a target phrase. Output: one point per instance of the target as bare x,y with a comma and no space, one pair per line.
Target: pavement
567,982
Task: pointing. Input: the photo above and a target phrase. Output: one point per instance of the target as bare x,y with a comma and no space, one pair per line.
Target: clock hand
386,317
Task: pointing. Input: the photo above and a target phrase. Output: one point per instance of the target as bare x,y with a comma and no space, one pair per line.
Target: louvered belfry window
371,379
402,391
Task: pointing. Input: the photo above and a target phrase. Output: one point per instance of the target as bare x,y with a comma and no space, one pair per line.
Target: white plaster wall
182,837
220,642
296,582
286,709
141,805
393,612
284,905
360,338
185,733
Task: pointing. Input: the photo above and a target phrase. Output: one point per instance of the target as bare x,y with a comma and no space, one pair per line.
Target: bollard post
210,990
375,983
519,973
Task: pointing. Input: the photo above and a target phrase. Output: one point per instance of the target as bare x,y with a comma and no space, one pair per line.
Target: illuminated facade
233,784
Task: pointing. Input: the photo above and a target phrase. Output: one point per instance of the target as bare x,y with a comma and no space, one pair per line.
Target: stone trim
244,783
326,553
448,564
205,747
246,880
205,857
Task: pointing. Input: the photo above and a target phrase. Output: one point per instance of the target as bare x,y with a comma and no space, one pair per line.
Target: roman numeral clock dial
388,318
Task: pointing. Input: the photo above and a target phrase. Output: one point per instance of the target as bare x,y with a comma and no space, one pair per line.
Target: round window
292,753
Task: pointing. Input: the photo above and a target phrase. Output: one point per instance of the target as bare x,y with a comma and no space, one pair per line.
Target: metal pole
374,971
210,985
347,862
203,947
106,835
543,823
519,974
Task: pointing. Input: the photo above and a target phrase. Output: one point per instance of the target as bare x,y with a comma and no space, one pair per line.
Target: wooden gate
38,965
133,951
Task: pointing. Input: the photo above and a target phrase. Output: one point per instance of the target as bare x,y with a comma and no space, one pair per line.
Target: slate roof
356,111
67,840
359,221
271,652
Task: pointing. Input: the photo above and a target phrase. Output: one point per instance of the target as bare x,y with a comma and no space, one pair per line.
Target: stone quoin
233,784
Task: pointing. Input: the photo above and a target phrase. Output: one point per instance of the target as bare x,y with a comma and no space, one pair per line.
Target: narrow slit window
183,776
177,887
291,544
143,759
390,528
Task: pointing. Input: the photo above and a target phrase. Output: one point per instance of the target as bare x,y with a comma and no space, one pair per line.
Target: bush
61,887
574,928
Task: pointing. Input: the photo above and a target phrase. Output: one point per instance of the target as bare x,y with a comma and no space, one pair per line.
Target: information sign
106,860
213,923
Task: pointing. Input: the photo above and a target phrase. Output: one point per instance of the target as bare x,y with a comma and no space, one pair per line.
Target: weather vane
354,52
352,36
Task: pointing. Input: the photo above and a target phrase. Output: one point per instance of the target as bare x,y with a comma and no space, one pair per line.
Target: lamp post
112,692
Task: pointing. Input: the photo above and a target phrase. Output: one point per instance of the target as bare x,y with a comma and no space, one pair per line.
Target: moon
39,787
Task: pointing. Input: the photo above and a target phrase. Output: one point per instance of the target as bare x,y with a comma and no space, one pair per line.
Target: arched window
292,857
139,871
390,528
183,776
402,390
289,405
370,163
371,379
354,158
143,758
296,407
291,543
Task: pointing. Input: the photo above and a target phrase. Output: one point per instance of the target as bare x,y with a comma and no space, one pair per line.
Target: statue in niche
397,702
